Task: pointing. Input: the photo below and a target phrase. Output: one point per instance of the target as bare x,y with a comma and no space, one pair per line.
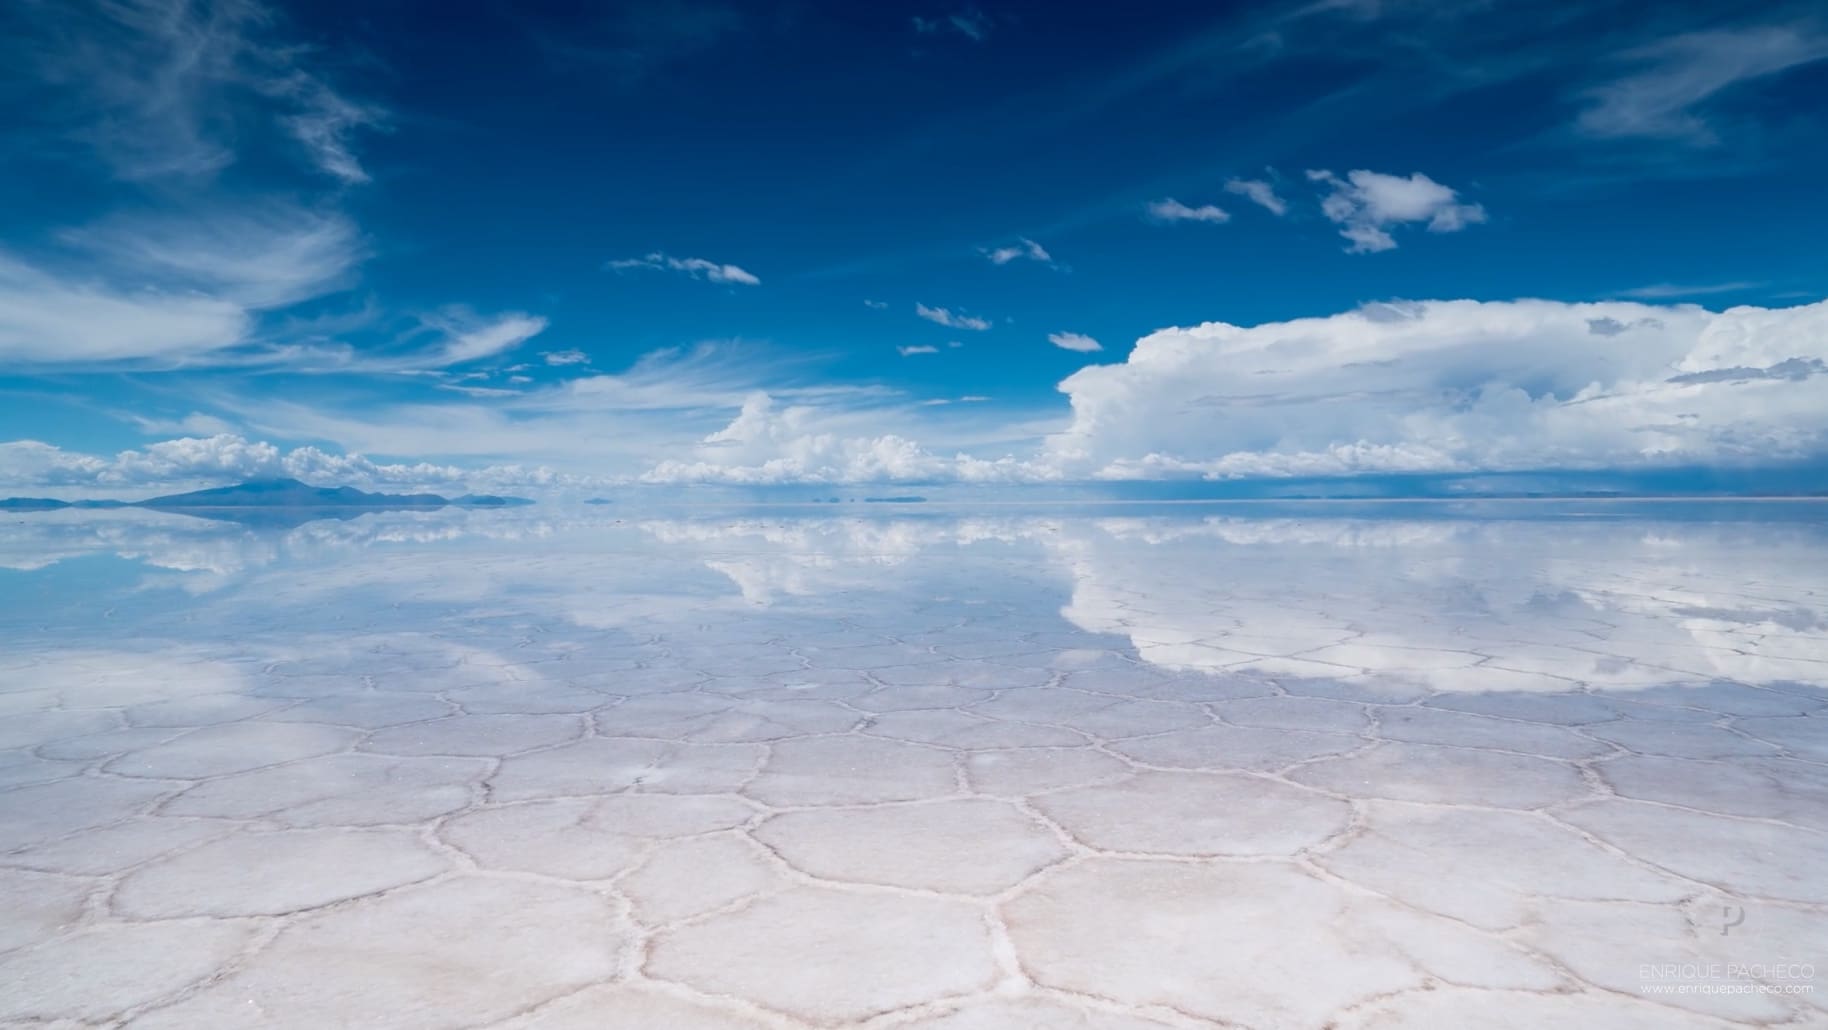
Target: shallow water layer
1114,768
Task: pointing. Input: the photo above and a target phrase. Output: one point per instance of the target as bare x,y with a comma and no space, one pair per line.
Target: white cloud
951,321
460,336
1436,386
767,444
1664,291
194,424
325,124
919,348
1367,204
260,257
876,305
1171,210
970,23
167,288
1456,386
1260,193
565,357
1024,249
1679,74
185,272
697,268
45,319
468,338
162,86
1075,342
607,423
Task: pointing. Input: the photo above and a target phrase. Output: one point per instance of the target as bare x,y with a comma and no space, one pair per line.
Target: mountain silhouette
280,501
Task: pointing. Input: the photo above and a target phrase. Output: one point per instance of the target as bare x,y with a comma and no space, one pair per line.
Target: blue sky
563,246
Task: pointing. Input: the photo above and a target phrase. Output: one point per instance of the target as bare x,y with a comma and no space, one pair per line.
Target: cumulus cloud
946,318
1171,210
1677,75
1075,342
768,444
919,348
1454,386
1024,249
876,305
1368,204
1258,192
697,268
565,357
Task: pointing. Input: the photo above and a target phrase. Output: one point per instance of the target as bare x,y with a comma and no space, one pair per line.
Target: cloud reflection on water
1410,604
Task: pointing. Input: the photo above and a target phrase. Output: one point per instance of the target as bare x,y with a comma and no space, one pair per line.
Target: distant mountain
290,493
238,502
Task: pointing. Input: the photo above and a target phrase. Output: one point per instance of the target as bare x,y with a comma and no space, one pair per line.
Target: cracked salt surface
1210,768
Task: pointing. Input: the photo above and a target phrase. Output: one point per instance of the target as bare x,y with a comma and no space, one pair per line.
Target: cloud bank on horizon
1404,387
261,249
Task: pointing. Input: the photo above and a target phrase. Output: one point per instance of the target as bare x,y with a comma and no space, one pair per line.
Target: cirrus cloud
1024,249
1075,342
1170,210
159,87
1675,77
168,289
1258,192
945,317
697,268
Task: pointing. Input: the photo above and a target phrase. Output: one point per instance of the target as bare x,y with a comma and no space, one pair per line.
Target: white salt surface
1103,771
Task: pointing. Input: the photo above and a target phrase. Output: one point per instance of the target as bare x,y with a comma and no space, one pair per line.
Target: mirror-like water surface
1117,767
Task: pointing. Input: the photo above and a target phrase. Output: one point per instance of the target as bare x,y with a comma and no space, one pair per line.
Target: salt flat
1114,769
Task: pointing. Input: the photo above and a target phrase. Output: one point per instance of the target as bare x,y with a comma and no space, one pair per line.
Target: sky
570,247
